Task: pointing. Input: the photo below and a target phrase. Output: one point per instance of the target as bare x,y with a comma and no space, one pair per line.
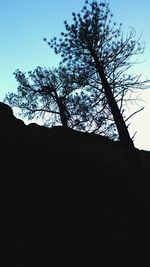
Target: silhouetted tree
54,96
41,92
95,44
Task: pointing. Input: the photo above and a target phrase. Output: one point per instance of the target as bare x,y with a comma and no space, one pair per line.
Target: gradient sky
24,24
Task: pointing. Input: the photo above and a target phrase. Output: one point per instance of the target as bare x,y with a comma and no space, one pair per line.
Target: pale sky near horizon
24,24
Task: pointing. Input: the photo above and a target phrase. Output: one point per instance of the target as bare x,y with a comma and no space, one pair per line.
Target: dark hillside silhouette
68,198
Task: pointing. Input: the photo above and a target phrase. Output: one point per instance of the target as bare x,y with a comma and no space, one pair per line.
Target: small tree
40,94
95,44
53,96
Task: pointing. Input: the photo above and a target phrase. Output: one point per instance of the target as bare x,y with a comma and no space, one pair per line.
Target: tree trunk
132,156
62,111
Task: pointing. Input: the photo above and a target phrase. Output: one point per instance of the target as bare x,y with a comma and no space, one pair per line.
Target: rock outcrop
67,199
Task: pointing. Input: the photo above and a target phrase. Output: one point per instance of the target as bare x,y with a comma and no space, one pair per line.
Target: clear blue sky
24,24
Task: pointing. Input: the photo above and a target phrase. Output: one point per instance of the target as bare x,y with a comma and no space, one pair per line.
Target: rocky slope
68,198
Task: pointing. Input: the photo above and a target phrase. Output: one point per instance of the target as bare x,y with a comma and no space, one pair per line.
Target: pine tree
95,44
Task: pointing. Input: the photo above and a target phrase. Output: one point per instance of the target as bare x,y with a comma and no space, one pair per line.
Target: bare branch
134,113
40,110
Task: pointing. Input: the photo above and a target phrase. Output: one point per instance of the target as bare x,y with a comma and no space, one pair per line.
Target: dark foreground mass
68,199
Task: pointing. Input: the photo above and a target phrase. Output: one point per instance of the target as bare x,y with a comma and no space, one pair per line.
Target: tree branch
134,113
41,110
